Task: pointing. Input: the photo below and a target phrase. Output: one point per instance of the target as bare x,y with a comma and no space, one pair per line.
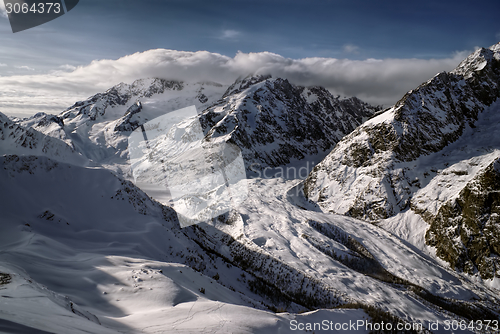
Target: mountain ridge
272,120
308,121
399,159
121,255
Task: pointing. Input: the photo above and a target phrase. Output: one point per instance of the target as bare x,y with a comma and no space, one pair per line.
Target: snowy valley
397,221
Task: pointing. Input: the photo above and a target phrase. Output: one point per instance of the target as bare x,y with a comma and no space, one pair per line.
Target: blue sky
98,29
295,29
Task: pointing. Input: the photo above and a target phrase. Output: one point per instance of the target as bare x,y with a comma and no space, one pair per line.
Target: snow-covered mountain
123,263
99,127
108,259
17,139
435,152
271,120
84,250
274,121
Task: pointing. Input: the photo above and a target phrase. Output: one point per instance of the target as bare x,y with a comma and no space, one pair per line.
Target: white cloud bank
375,81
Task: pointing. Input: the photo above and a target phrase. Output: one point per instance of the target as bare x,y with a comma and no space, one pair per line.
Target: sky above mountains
410,40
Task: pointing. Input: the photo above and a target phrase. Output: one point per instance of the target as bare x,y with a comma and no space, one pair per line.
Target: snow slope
425,154
98,256
108,258
122,259
99,127
17,139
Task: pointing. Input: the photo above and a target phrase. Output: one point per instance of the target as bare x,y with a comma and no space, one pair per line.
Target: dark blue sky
98,29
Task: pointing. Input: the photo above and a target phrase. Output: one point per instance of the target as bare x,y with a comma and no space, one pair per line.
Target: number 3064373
36,8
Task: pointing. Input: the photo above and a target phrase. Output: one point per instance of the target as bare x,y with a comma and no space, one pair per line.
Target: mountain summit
271,120
122,260
434,152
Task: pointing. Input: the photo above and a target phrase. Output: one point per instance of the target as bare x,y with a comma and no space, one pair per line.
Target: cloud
377,81
229,34
350,48
67,67
3,65
25,68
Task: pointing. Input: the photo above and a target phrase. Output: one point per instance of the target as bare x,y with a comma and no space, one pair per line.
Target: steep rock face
426,153
274,121
270,120
466,230
424,121
127,123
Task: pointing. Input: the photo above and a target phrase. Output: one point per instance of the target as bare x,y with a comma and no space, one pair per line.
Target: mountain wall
427,153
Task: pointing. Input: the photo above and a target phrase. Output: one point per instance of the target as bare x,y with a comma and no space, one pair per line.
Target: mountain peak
495,47
274,121
424,122
20,140
428,154
243,83
477,61
121,95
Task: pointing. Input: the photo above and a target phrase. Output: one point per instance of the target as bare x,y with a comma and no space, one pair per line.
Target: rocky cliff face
466,230
271,120
423,153
274,121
